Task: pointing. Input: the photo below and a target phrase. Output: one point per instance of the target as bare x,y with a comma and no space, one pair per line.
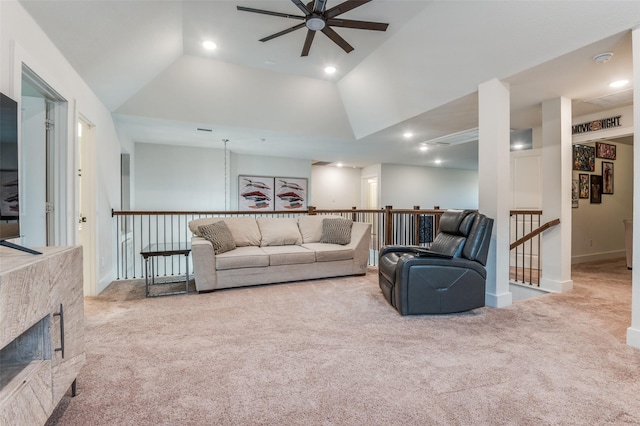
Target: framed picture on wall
584,158
575,190
605,150
290,193
607,177
596,189
255,193
583,180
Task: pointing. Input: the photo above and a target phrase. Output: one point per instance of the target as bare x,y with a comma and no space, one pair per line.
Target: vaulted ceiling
145,61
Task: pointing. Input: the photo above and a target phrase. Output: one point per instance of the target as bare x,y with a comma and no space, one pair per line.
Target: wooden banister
533,233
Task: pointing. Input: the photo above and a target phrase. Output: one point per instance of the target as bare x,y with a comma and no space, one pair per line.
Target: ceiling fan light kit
318,18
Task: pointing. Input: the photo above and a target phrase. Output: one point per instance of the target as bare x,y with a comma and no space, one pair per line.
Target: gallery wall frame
575,191
596,189
584,158
583,180
605,150
607,177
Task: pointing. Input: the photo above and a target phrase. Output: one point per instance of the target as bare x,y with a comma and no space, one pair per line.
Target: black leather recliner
448,277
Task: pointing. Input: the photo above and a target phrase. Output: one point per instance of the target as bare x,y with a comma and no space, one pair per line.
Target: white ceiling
145,61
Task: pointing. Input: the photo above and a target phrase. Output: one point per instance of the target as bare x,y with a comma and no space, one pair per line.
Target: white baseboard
598,256
498,300
633,337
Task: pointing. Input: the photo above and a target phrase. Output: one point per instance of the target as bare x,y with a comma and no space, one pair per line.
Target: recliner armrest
423,252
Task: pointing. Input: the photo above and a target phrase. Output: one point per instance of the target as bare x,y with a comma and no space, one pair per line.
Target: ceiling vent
454,138
612,99
320,163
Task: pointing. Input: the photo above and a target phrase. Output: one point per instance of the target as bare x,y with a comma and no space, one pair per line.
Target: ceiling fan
318,18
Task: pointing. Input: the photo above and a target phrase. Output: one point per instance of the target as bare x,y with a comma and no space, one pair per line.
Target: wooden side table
151,252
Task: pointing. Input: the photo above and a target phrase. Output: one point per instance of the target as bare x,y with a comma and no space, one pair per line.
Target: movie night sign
592,126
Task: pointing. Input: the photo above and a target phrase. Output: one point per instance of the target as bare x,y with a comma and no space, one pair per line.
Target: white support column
493,179
556,194
633,332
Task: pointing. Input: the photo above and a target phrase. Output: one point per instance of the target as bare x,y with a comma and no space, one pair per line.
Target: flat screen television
9,176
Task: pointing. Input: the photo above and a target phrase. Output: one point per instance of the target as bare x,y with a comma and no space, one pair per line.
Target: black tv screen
9,177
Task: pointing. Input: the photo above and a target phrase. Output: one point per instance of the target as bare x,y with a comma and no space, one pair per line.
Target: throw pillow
336,231
219,235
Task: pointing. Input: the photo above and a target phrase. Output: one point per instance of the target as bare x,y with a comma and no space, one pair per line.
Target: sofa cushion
279,231
336,231
330,252
311,227
244,229
219,235
242,257
289,255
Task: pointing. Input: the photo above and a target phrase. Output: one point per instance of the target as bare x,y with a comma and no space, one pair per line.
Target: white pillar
633,332
557,154
493,180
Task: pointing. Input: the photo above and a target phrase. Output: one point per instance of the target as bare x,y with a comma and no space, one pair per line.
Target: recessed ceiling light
438,161
339,164
601,58
424,148
618,83
330,70
407,135
209,45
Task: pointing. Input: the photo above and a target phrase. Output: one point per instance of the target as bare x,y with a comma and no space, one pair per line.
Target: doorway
43,163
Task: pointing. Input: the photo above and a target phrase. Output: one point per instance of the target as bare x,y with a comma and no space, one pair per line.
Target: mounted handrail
534,233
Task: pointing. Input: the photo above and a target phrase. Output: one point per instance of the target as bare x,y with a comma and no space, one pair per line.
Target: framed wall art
584,158
255,193
596,189
583,181
607,177
574,193
605,150
290,193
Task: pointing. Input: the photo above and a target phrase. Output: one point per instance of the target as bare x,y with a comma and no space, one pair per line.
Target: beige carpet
333,352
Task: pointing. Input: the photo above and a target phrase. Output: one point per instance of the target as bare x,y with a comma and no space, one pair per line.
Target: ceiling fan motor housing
315,22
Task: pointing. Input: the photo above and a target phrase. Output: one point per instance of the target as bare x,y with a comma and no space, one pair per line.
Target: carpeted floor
333,352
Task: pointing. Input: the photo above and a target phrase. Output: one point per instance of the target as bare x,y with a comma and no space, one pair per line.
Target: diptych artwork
255,193
271,193
291,193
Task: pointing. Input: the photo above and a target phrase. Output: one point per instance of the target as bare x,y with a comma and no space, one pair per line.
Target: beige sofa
272,250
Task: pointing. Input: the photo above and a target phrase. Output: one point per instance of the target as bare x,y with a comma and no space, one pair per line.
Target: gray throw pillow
336,231
219,235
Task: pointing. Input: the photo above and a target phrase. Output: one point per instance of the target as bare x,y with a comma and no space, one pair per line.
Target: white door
87,204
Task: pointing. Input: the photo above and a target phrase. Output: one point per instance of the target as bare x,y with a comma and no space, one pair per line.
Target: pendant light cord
225,173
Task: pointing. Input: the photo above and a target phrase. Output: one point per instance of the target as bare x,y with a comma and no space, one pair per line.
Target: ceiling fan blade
344,7
335,37
360,25
302,7
287,31
268,12
307,43
319,6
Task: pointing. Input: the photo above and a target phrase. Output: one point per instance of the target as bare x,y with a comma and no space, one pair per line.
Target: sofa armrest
360,241
204,264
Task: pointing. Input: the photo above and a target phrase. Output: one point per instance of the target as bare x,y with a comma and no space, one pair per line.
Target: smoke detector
601,58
